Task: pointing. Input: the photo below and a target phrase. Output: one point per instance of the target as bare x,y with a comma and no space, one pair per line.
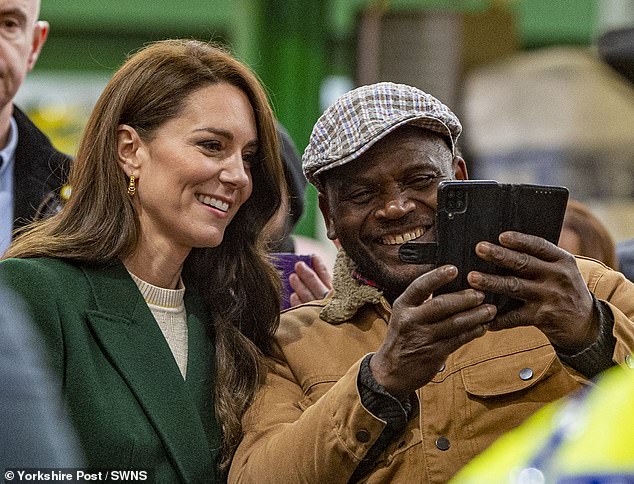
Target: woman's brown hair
98,225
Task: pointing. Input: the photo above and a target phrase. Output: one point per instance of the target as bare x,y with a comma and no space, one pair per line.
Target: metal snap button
526,374
363,436
443,443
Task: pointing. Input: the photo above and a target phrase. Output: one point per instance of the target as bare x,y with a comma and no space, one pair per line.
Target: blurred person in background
151,287
305,276
34,428
584,234
616,48
32,171
380,382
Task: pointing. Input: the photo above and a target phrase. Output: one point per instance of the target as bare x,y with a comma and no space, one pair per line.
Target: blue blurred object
625,253
34,428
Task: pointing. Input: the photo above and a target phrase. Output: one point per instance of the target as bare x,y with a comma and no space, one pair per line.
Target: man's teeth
212,202
401,238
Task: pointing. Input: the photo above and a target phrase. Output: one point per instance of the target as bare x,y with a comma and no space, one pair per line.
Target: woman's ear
130,149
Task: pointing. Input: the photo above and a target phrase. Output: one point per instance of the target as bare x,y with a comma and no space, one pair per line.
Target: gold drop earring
132,186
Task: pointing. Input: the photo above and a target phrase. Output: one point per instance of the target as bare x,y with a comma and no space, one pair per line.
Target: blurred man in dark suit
31,169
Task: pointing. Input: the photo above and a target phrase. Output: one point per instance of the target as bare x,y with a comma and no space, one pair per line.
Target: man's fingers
511,319
463,338
511,286
530,244
423,286
464,322
522,254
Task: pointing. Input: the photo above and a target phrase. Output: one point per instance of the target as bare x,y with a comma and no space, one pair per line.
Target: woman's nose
234,172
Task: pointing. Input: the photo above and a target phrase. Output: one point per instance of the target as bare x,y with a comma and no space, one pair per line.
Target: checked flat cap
363,116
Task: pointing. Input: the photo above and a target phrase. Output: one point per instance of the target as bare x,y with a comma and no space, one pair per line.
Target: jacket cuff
379,402
598,356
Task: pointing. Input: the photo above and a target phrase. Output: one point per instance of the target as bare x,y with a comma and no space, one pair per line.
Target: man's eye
359,196
423,181
10,24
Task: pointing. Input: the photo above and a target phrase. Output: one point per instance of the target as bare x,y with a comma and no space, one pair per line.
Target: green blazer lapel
129,335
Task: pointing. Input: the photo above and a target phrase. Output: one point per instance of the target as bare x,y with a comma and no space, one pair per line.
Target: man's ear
331,233
460,168
40,33
129,149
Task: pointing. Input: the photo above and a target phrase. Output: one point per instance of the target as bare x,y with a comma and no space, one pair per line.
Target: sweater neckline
160,296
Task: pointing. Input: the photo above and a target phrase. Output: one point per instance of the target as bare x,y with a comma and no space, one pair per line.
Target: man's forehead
372,171
30,7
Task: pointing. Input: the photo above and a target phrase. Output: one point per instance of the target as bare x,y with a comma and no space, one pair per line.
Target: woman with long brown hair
151,287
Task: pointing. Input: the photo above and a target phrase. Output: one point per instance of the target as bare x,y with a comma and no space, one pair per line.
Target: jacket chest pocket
503,391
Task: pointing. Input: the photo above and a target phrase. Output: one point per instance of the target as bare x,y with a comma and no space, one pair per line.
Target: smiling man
382,382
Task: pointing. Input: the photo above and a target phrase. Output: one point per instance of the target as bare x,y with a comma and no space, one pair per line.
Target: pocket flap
509,373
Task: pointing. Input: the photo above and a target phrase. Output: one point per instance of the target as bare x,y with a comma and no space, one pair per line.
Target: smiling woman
145,285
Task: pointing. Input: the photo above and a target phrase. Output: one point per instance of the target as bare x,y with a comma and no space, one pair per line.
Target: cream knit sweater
168,308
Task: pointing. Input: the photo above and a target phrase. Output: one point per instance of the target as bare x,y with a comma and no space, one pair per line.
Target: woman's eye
211,145
250,159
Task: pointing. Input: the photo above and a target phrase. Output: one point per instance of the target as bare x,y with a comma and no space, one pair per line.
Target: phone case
472,211
285,264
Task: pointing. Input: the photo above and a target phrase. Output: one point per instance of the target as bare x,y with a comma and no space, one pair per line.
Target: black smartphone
471,211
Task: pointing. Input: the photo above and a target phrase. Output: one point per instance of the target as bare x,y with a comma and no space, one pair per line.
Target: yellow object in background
62,123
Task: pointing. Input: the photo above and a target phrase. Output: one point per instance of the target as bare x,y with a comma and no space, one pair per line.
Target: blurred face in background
21,40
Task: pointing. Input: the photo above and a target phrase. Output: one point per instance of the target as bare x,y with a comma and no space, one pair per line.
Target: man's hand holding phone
490,276
424,331
546,278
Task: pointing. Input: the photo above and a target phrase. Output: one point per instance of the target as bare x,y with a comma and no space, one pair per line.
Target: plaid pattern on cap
363,116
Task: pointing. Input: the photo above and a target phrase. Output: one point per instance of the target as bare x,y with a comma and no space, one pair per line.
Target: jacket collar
349,294
129,335
39,170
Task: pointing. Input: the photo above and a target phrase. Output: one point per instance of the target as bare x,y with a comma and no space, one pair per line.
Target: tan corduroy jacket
308,424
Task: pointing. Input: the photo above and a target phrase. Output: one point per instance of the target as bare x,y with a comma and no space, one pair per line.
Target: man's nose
395,208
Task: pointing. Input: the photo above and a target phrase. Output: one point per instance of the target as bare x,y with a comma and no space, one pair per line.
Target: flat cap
363,116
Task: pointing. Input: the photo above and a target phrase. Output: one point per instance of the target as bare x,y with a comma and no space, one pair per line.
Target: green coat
128,401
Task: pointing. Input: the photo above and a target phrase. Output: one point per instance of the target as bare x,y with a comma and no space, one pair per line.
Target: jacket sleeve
288,440
617,291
